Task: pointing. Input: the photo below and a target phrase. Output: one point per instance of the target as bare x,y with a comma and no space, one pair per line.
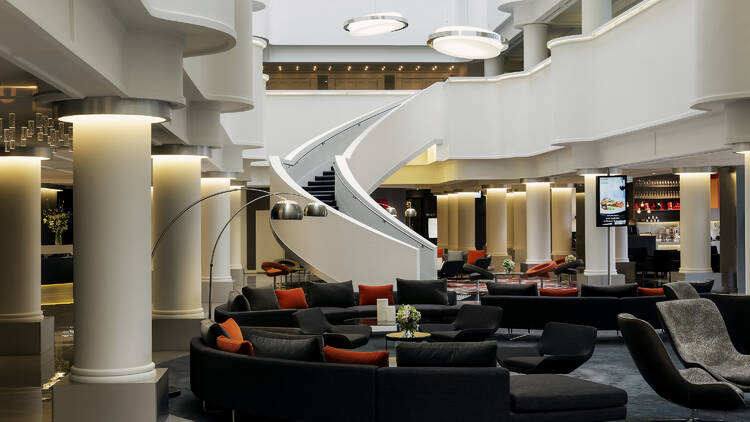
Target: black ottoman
545,397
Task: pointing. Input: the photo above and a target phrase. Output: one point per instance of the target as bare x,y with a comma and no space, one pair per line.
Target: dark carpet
611,364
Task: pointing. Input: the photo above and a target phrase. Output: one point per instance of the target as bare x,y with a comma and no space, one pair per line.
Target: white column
243,230
214,214
562,221
596,237
538,242
112,229
494,66
235,253
177,265
466,223
453,222
20,259
695,234
519,226
509,208
534,44
747,226
443,216
497,219
595,13
621,244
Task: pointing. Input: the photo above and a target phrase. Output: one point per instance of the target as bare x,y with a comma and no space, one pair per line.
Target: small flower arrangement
508,265
570,258
56,220
408,317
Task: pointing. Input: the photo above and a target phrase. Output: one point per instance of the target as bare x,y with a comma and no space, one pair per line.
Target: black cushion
627,290
545,393
365,311
412,292
286,346
703,286
261,298
210,331
475,354
339,295
239,304
431,312
508,289
338,315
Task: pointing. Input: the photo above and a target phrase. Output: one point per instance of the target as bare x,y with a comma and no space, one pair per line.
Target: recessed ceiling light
376,24
467,42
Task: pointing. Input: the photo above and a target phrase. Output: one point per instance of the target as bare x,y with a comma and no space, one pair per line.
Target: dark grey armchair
473,323
313,321
693,388
700,338
561,349
680,290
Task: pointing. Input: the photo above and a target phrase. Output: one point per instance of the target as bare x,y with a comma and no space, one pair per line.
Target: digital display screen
611,195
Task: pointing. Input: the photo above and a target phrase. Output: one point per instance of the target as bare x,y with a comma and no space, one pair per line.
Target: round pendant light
375,24
467,42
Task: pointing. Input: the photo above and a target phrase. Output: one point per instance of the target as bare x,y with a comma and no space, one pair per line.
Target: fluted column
214,214
595,13
695,234
621,244
176,264
235,253
443,214
534,44
596,237
20,259
497,219
466,223
538,241
453,222
509,212
562,221
519,226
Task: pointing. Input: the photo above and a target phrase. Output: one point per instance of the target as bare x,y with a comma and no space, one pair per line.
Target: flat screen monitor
611,195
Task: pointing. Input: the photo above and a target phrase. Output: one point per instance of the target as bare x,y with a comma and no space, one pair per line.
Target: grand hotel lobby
374,210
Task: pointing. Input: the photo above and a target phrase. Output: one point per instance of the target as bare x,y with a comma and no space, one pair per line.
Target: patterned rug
466,290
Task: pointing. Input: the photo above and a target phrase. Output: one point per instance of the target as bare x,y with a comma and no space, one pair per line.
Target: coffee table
399,336
512,275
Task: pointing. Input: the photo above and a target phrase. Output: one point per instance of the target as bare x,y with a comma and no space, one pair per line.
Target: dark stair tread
320,183
329,173
319,188
324,178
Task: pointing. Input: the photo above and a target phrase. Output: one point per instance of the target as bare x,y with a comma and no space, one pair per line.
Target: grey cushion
476,354
454,256
337,315
285,346
339,295
680,290
365,311
704,286
430,312
239,303
261,298
626,290
210,331
546,393
508,289
312,321
413,292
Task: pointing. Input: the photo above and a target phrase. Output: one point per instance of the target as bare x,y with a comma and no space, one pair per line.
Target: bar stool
274,269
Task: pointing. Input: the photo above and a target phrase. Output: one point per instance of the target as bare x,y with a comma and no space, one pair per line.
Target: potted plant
570,258
408,317
56,220
508,265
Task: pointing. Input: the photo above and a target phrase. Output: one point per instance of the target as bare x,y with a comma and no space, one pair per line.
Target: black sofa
334,314
326,392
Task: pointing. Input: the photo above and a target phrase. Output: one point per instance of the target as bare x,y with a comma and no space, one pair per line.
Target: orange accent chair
541,270
274,269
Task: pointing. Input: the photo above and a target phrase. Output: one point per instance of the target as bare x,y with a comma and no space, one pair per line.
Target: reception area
350,210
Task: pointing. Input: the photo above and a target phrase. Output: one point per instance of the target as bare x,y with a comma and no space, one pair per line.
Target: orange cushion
560,260
440,252
232,329
559,292
242,347
369,295
291,299
334,355
274,272
541,269
474,255
646,291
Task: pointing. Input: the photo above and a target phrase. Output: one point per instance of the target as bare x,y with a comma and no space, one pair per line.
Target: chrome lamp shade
286,210
315,209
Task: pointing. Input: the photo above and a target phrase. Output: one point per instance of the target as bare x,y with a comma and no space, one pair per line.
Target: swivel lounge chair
568,268
700,338
450,269
473,323
693,388
542,270
476,274
561,349
680,290
484,263
312,321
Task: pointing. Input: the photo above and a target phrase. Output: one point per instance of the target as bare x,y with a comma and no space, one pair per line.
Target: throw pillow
460,354
239,303
289,347
291,299
334,355
703,286
369,295
508,289
242,347
454,256
424,292
210,331
261,298
571,292
626,290
232,329
474,255
647,291
339,295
